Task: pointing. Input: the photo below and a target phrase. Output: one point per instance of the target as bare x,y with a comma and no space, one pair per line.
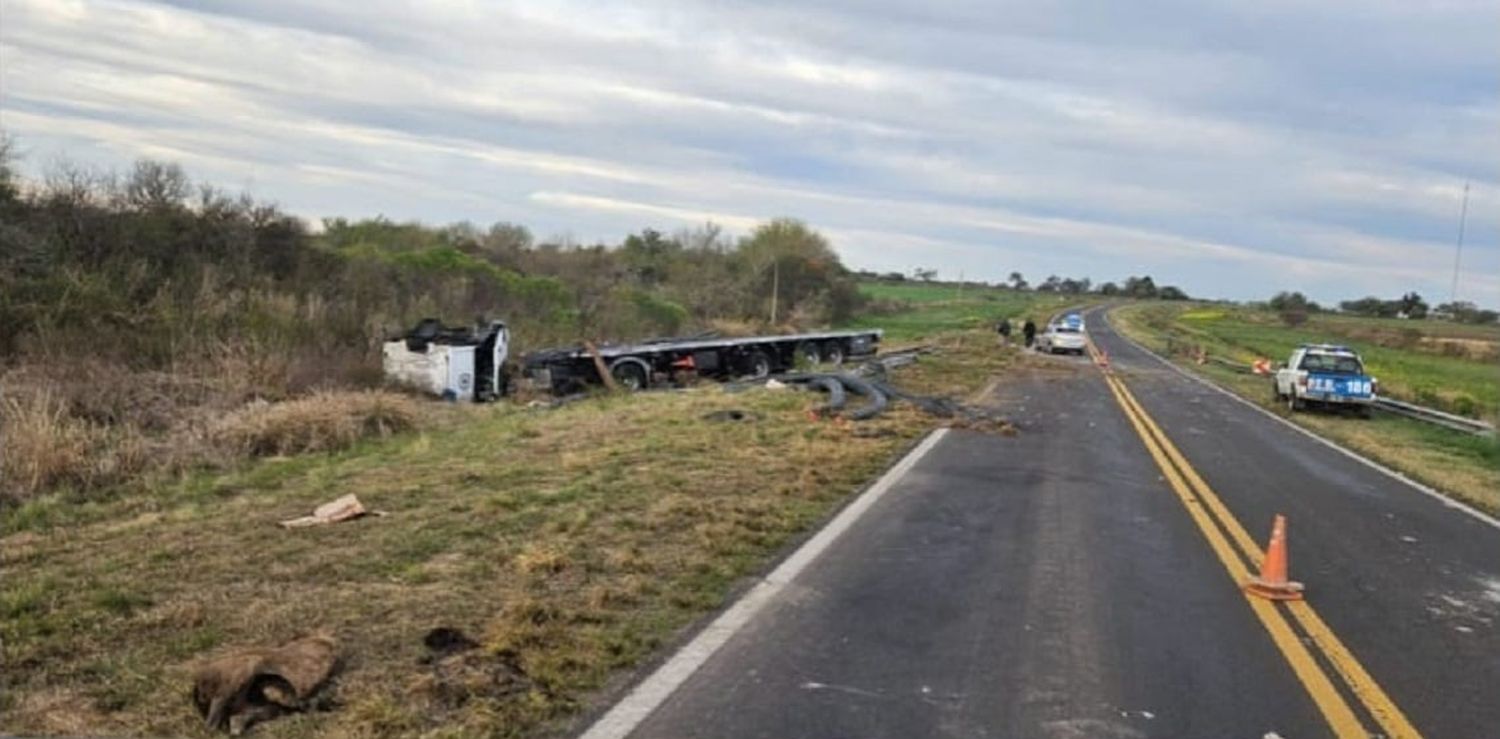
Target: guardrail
1432,415
1400,408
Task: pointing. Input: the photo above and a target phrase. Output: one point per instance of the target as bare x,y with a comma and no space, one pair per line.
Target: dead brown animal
245,686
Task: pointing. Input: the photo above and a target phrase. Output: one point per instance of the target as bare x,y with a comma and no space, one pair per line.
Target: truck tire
806,354
630,376
1294,403
833,353
756,363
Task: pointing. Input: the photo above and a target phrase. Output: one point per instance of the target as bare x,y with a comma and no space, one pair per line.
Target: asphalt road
1051,584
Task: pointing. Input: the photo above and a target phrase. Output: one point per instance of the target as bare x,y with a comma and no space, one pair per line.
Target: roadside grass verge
1461,465
570,542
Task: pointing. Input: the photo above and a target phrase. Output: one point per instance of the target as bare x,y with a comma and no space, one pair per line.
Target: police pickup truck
1325,374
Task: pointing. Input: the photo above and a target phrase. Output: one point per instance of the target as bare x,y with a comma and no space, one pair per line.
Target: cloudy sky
1234,147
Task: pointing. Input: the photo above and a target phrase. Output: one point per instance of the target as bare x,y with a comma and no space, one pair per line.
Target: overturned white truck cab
455,363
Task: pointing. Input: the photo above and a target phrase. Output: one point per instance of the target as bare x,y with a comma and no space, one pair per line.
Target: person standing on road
1004,331
1030,331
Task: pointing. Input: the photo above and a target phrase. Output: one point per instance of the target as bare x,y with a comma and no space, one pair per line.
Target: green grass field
918,311
1462,465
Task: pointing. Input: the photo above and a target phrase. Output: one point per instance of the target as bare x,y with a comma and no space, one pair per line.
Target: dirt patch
1478,350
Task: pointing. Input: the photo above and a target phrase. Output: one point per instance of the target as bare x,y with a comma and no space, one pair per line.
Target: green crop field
917,311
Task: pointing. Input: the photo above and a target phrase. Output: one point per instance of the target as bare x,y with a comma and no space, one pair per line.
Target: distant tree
1169,292
504,243
1140,287
8,188
647,256
1372,306
1017,281
1288,301
788,259
1413,306
894,277
1464,311
924,274
154,185
1293,316
1109,288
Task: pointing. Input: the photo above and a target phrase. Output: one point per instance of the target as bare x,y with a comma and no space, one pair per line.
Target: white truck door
460,372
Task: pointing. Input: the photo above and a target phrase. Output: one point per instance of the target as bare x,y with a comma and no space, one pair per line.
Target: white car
1060,338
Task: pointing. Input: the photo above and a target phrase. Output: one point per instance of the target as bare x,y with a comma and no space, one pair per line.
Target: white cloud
1239,149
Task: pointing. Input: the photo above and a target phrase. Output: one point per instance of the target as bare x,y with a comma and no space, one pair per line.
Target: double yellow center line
1238,553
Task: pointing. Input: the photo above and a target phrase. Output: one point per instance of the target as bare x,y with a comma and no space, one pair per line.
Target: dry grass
324,421
97,430
43,447
570,542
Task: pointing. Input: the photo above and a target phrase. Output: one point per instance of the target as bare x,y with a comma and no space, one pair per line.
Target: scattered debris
836,395
461,671
249,685
444,641
732,414
342,509
869,381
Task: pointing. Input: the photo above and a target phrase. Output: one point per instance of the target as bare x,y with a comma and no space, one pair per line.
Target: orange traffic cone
1272,582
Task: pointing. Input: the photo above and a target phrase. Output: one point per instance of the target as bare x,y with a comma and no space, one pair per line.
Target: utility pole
1458,251
775,287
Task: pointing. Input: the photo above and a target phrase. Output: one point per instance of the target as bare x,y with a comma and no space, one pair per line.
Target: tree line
1143,287
148,269
1294,308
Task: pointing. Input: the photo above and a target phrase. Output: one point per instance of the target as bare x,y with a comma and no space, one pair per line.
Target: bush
42,448
325,421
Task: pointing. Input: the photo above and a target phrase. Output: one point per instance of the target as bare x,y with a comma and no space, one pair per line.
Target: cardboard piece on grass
341,509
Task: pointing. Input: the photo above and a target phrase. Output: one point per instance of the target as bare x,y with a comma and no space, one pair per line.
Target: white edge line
1356,456
635,707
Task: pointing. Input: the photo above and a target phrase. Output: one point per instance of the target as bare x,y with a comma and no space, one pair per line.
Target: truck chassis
639,366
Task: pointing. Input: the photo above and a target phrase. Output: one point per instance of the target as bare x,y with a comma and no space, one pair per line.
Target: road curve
1051,585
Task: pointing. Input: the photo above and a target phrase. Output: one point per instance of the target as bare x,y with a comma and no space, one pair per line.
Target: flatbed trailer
639,366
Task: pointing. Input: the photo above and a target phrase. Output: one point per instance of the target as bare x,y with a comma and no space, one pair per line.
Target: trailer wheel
1294,403
757,364
807,354
630,375
833,353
